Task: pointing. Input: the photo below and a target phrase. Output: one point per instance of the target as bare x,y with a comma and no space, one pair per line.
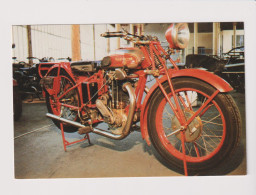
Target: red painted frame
167,75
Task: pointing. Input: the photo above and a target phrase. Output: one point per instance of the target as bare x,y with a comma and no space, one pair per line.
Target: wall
204,40
47,41
55,40
19,37
51,41
227,39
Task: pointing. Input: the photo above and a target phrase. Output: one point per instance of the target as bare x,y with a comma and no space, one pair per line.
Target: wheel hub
194,129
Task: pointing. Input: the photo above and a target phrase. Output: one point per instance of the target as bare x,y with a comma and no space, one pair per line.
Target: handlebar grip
112,34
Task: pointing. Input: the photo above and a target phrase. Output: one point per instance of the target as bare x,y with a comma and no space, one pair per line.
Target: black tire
226,129
75,102
17,104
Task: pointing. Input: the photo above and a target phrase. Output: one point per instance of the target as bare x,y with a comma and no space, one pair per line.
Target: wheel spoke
210,131
186,147
204,148
211,139
205,122
189,150
212,136
172,133
211,119
208,143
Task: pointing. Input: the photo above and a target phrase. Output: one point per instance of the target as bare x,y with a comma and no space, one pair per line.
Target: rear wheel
70,98
211,136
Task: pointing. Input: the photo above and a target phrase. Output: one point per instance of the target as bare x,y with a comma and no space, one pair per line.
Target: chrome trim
126,128
73,123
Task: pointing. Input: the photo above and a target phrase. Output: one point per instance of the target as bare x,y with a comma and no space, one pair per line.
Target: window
239,40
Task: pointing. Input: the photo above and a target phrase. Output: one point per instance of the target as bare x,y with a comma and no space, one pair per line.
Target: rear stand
66,143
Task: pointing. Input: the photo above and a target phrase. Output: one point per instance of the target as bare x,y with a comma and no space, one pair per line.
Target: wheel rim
204,145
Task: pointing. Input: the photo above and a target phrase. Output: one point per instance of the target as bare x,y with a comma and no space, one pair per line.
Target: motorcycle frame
168,74
142,75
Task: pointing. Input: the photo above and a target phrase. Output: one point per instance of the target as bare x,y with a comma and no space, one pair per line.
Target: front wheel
209,139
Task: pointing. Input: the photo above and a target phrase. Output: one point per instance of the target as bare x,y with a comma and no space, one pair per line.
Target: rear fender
61,67
203,75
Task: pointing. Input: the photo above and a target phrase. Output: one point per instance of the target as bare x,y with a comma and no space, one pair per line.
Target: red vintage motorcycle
187,114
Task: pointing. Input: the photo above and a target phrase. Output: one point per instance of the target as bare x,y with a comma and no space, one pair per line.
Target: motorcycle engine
112,105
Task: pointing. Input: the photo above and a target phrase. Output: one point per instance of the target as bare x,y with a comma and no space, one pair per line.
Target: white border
84,12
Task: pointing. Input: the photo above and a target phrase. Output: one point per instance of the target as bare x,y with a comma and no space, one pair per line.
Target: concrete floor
40,154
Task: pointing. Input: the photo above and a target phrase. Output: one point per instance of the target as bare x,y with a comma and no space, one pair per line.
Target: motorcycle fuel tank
129,58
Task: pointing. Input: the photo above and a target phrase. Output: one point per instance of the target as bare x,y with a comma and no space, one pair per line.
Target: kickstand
66,143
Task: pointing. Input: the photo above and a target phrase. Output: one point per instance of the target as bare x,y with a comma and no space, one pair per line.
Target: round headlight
177,35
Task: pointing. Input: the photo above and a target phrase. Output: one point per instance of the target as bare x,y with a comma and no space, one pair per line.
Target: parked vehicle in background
235,55
230,66
28,79
17,102
234,70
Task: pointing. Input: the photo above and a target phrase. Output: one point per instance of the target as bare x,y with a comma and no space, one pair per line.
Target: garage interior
38,147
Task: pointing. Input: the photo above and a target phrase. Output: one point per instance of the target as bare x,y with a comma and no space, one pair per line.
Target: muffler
73,123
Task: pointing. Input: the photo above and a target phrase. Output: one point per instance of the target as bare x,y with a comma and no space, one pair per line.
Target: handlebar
128,36
113,34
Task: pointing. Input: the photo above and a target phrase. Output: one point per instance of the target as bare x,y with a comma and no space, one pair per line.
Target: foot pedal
84,130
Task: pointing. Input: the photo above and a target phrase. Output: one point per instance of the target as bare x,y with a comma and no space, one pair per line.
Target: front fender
203,75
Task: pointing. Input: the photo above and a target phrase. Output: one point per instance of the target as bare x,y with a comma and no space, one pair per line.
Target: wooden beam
142,29
118,27
75,42
94,47
30,53
215,36
234,35
139,29
132,32
195,38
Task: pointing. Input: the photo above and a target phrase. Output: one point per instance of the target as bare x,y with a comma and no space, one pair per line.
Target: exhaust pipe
126,128
73,123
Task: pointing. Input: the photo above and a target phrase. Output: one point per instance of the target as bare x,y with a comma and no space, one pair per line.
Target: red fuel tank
125,57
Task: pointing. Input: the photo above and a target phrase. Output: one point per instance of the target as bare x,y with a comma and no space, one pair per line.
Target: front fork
176,107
